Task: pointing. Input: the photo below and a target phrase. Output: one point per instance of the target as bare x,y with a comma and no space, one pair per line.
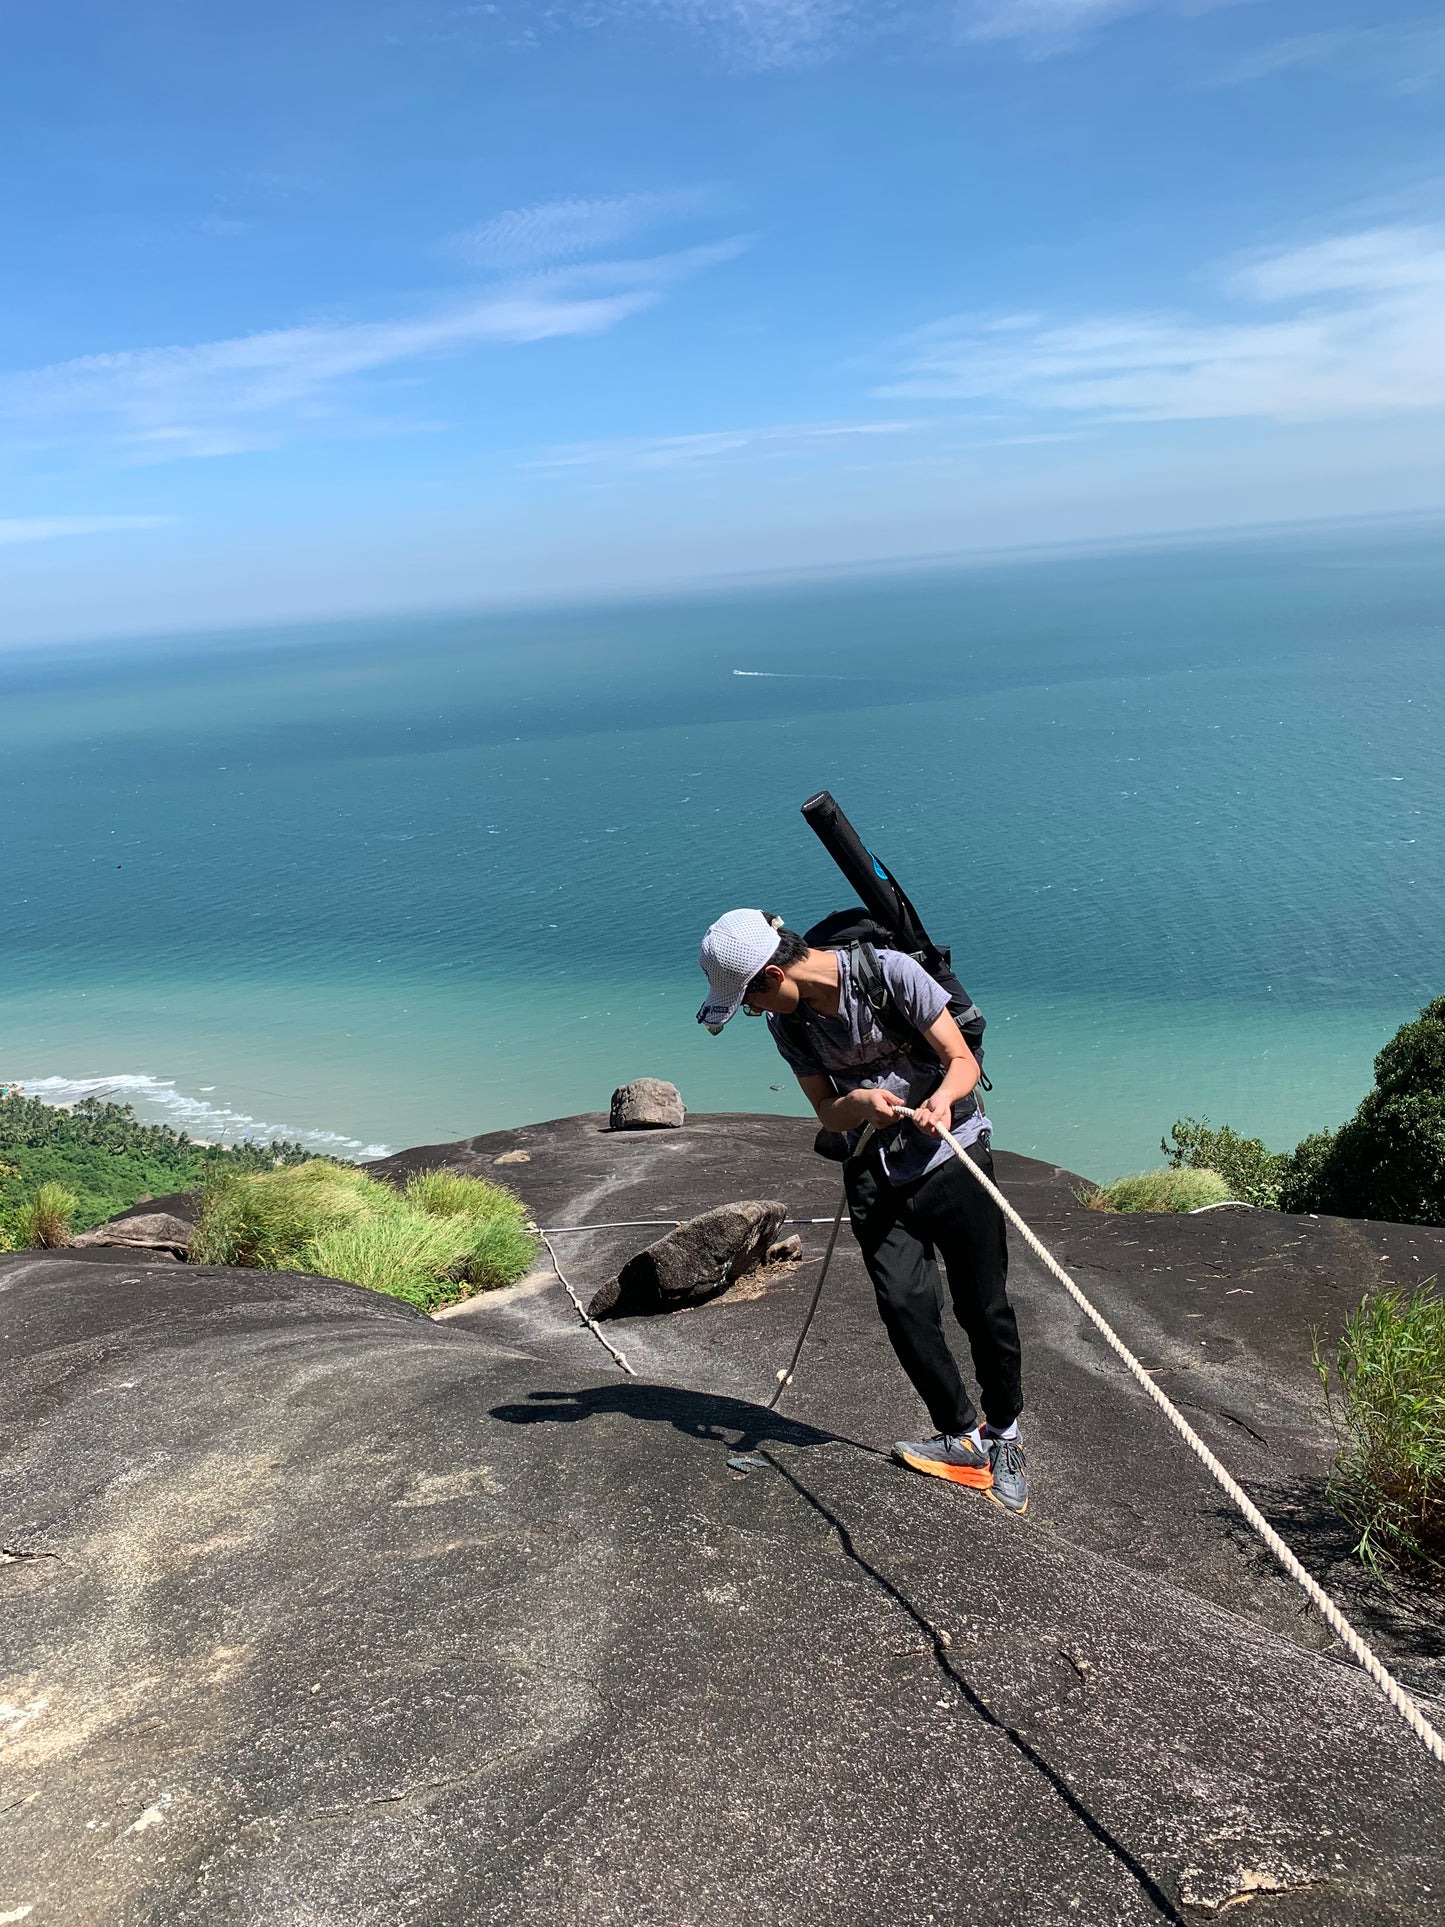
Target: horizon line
687,587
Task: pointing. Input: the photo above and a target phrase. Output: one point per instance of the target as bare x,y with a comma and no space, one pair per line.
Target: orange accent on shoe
980,1478
1014,1511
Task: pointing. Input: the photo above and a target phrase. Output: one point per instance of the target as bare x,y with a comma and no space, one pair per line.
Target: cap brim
717,1011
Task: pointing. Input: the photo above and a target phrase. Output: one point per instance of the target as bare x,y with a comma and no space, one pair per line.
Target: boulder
145,1231
787,1251
693,1263
647,1104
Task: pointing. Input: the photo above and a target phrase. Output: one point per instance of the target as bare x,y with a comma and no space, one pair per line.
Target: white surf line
216,1123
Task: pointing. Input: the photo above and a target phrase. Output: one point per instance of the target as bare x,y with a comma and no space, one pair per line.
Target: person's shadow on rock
734,1422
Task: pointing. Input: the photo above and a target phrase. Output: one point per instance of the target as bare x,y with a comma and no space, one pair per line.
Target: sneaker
947,1457
1009,1486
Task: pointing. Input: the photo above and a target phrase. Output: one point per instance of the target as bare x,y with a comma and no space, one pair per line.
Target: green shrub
429,1244
1251,1170
45,1222
1300,1184
1386,1395
1179,1190
1388,1161
501,1251
402,1253
270,1218
447,1194
502,1244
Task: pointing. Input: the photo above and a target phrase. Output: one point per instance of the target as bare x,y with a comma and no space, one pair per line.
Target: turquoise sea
1179,811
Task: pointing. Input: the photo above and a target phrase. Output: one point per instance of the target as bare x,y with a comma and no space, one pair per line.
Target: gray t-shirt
852,1049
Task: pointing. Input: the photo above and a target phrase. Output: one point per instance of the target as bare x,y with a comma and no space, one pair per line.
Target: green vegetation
441,1238
1251,1170
270,1205
1387,1162
1386,1394
47,1221
1178,1190
270,1224
106,1158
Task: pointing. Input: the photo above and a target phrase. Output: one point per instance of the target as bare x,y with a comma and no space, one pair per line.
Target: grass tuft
1182,1190
447,1194
444,1236
44,1223
400,1253
501,1251
501,1245
269,1219
1386,1393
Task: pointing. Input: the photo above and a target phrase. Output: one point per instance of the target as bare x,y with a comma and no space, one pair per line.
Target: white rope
591,1323
785,1376
1315,1593
614,1224
637,1224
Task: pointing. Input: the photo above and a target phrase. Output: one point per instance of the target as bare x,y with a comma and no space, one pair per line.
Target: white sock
1009,1431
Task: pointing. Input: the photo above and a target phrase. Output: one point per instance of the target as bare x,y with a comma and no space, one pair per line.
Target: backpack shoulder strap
873,986
868,976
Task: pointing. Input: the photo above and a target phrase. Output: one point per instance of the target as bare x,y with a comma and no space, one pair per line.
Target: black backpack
891,923
863,937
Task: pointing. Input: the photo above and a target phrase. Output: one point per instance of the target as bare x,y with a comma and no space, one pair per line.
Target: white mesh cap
732,953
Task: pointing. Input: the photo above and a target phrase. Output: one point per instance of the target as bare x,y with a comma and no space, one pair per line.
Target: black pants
899,1228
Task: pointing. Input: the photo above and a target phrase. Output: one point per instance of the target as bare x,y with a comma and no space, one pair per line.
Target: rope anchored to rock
590,1322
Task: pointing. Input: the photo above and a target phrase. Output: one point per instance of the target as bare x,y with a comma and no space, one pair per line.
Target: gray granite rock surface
315,1611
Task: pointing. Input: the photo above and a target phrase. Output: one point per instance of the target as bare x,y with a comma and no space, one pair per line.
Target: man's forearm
959,1079
842,1113
847,1111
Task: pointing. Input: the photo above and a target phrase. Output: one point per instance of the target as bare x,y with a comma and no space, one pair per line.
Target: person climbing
907,1198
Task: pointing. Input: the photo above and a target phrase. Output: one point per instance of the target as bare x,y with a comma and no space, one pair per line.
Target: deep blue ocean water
1179,812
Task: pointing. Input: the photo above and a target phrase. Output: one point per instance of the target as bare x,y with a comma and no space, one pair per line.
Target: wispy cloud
46,528
253,391
1402,58
693,451
780,34
755,34
770,33
523,237
1363,332
1042,26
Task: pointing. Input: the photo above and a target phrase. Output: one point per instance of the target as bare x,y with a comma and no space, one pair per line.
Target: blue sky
318,308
